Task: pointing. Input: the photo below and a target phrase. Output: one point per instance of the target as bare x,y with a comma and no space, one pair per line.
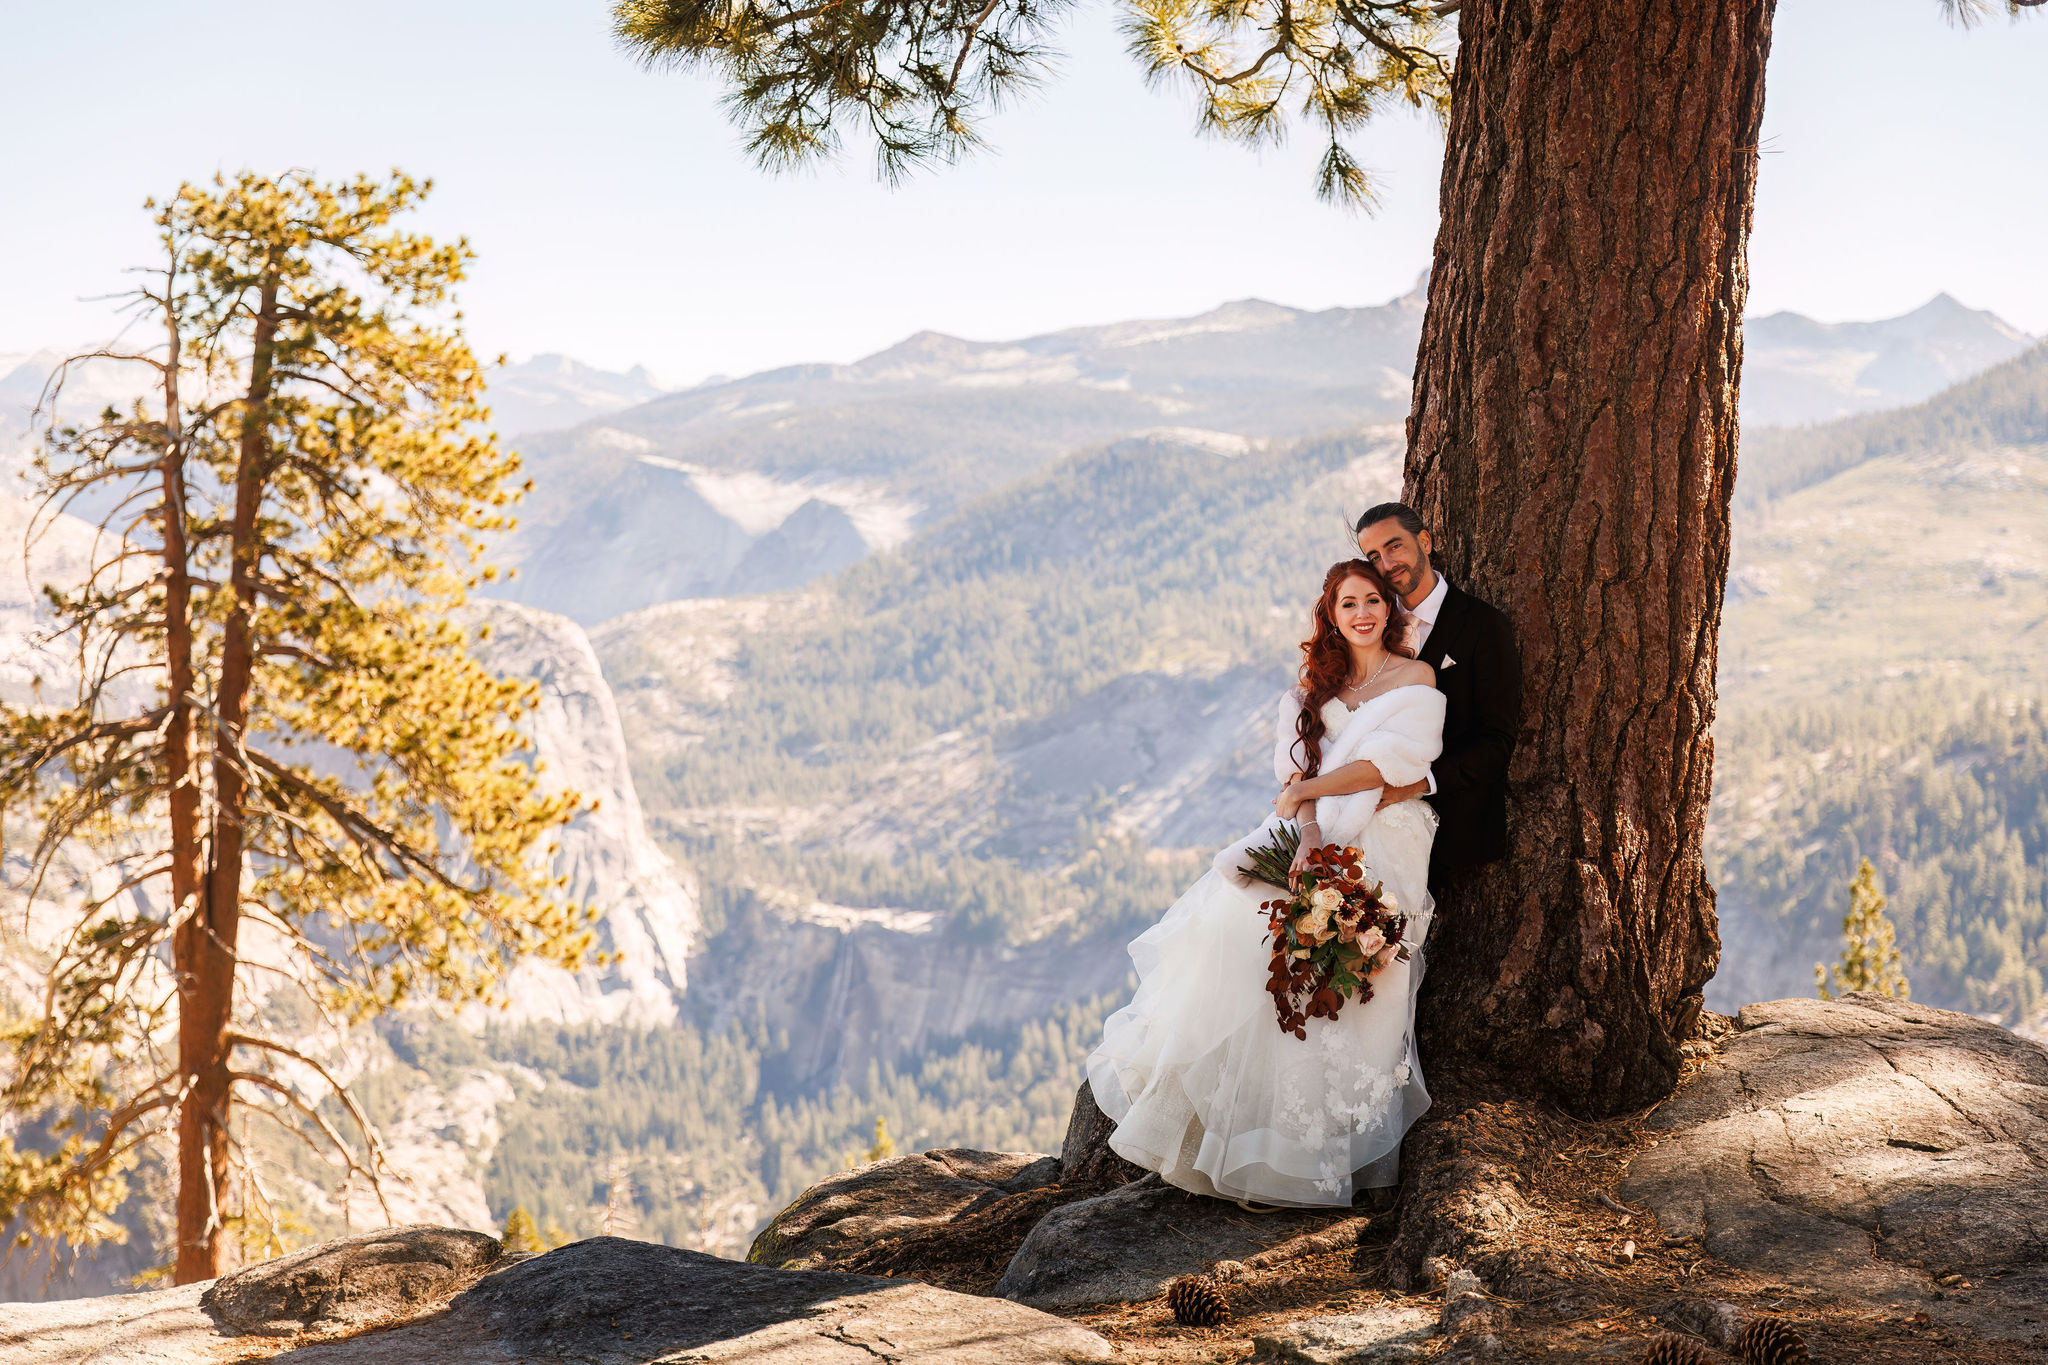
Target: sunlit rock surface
1132,1242
843,1213
414,1295
35,549
648,909
1871,1148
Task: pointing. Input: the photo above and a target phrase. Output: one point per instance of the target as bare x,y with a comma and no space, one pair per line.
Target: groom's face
1402,557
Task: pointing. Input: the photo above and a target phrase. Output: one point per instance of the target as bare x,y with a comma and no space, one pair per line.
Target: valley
913,688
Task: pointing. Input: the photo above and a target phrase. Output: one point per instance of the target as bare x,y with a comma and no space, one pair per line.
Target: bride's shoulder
1412,671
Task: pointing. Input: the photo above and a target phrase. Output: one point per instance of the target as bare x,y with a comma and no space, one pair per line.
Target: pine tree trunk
195,1255
1573,449
205,946
181,786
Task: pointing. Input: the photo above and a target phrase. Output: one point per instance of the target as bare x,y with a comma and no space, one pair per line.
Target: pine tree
883,1146
279,770
919,77
522,1234
1870,953
619,1217
1572,437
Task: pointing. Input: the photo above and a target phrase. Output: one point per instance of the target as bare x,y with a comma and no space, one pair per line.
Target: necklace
1360,687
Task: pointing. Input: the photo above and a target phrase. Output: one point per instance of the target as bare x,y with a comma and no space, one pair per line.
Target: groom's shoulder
1483,626
1478,610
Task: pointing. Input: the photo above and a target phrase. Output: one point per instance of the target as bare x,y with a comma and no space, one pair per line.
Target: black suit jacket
1482,687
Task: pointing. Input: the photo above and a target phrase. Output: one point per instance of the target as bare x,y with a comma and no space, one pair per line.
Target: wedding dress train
1202,1084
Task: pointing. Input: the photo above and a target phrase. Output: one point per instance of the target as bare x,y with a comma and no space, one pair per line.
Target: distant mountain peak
922,346
1946,311
1943,309
1799,370
1249,312
552,390
548,362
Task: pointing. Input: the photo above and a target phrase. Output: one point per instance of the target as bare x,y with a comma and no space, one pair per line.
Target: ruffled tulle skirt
1206,1089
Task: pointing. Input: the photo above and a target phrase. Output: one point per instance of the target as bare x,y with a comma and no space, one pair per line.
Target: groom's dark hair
1399,511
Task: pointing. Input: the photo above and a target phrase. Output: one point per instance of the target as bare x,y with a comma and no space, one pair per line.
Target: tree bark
205,945
179,777
1572,447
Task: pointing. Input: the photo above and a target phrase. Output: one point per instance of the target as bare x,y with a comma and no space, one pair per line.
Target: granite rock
1385,1332
1131,1243
370,1278
609,1301
162,1327
1868,1147
606,1301
853,1209
1085,1153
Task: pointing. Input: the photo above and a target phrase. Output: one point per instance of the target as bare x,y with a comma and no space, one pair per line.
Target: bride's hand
1289,800
1309,841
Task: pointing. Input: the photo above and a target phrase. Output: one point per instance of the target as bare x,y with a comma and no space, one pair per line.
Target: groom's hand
1390,795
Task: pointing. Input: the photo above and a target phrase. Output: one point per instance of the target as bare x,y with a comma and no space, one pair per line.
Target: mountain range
541,393
1797,371
781,478
914,687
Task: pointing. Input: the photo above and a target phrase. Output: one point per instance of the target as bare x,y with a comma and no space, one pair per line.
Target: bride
1204,1087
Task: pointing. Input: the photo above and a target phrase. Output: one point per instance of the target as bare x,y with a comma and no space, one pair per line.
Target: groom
1479,671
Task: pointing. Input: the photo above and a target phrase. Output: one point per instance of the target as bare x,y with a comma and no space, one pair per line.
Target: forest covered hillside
1883,661
921,803
997,752
1086,655
939,791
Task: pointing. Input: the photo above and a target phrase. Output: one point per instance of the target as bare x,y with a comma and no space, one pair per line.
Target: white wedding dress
1204,1087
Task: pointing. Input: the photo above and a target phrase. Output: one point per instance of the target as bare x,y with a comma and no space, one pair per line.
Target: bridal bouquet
1330,936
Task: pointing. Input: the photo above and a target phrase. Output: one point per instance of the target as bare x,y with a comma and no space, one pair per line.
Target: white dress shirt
1421,620
1422,616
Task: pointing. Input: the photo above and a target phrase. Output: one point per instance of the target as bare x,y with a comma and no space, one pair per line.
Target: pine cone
1197,1302
1676,1351
1768,1341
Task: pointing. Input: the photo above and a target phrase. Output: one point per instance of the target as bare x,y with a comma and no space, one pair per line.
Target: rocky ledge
1871,1173
1869,1148
455,1299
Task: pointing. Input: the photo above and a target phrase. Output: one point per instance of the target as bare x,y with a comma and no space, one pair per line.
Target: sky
618,220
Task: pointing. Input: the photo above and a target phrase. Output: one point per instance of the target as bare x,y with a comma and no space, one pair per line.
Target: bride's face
1360,613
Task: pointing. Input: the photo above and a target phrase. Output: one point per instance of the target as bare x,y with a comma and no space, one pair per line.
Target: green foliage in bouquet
1270,864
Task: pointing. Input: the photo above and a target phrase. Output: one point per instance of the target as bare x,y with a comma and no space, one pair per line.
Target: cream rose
1371,941
1316,923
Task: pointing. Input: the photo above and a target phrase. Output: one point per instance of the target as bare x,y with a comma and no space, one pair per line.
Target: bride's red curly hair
1326,659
